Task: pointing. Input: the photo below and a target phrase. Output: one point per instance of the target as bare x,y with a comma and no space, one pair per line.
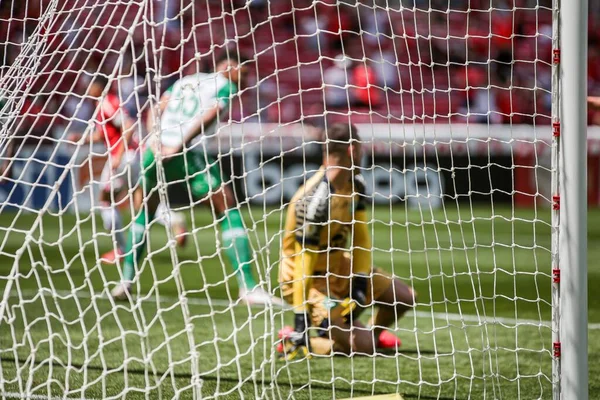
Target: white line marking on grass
15,395
64,294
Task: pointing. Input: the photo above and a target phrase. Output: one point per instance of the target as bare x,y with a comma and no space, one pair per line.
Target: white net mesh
452,101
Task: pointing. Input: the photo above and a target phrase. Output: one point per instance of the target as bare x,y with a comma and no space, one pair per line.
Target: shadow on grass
391,352
180,375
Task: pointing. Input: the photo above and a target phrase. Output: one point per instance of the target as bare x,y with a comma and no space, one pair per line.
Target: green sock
237,247
136,246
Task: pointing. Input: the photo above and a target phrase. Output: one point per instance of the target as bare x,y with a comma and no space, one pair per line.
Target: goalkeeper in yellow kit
327,284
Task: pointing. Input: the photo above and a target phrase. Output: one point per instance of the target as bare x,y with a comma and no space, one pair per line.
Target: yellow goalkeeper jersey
320,217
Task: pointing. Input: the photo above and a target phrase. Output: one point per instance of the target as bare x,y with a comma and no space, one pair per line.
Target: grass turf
60,332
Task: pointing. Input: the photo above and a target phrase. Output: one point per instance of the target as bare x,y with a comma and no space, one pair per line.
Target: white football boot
122,291
259,296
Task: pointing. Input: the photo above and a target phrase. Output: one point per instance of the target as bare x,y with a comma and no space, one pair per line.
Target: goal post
140,279
573,183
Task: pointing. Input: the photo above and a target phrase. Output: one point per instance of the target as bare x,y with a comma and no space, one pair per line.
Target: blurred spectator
594,105
258,5
165,12
336,80
78,109
313,28
340,21
267,97
374,22
385,66
364,81
363,78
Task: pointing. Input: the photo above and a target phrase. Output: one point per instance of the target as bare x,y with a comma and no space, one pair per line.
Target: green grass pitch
60,332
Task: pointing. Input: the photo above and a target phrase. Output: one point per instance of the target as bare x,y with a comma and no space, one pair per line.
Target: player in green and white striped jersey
190,111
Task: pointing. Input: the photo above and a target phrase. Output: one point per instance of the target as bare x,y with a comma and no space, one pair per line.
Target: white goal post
571,112
471,117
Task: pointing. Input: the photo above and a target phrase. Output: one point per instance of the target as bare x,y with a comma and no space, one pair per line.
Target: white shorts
125,176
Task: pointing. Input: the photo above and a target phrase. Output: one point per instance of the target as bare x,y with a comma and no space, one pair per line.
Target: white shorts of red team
125,176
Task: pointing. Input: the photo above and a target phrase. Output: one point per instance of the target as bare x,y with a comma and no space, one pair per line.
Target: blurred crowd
423,61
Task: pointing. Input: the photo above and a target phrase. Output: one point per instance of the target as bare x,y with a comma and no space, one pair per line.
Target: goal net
454,108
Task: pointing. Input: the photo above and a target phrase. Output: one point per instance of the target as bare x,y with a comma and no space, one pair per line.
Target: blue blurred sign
34,178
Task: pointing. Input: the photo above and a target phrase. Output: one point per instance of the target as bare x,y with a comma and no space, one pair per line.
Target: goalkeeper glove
358,299
297,341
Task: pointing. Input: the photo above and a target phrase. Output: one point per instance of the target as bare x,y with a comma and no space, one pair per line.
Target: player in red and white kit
115,128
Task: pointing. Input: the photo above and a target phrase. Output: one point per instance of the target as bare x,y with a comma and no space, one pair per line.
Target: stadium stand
420,74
